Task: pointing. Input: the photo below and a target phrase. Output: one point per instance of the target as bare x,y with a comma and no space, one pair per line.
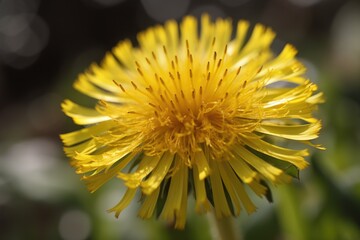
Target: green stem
223,228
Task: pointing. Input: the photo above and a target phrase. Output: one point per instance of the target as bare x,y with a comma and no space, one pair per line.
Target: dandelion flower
194,109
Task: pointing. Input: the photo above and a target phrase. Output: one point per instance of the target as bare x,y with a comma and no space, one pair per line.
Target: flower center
194,101
212,125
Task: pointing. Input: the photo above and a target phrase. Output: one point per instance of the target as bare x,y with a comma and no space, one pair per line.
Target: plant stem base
223,228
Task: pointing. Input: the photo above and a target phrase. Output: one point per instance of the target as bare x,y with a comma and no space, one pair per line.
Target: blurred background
44,45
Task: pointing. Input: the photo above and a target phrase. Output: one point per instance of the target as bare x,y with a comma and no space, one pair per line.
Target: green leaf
136,160
164,189
209,191
292,171
287,167
268,194
229,202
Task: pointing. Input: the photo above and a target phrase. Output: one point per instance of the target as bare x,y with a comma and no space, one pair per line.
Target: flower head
193,109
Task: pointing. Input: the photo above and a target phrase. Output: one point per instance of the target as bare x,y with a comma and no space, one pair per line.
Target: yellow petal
258,188
189,30
202,165
95,181
158,174
82,115
232,181
146,166
220,203
124,53
295,157
267,170
202,203
244,172
176,201
83,85
86,147
229,179
78,136
90,162
295,132
125,201
149,204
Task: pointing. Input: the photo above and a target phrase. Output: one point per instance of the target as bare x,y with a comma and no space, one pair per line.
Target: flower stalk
224,228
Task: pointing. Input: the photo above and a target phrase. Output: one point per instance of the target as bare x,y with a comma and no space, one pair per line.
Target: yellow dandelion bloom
193,109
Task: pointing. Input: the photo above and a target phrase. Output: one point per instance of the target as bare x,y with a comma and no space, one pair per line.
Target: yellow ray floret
193,108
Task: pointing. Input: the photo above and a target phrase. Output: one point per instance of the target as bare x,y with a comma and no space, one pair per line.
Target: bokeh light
213,10
161,10
23,34
34,168
304,3
233,3
105,3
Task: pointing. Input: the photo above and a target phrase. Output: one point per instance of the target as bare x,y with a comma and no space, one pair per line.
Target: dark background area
74,27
